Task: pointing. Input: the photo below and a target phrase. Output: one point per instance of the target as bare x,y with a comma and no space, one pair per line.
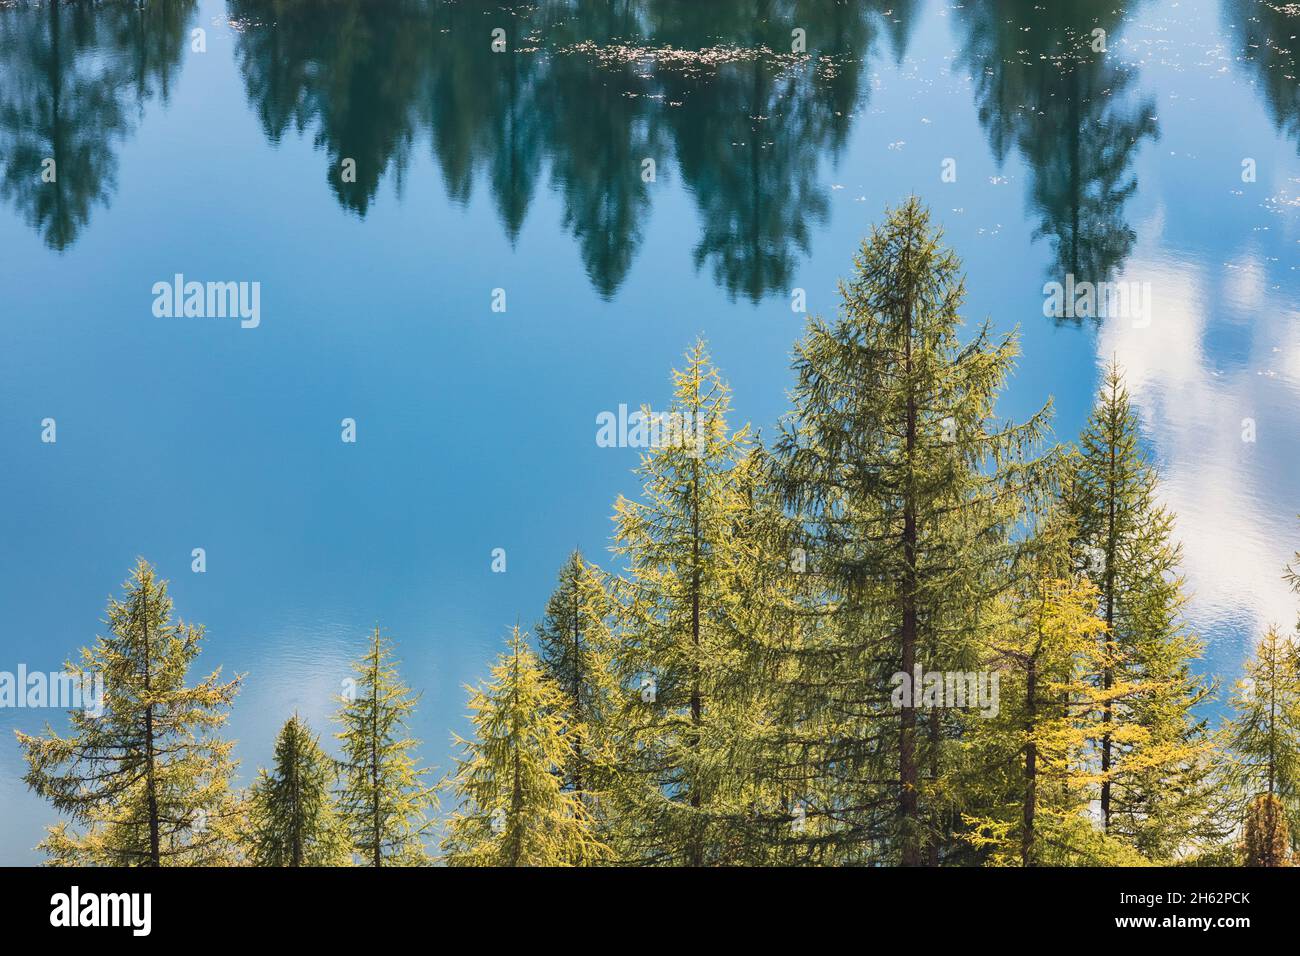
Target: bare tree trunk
1031,767
907,773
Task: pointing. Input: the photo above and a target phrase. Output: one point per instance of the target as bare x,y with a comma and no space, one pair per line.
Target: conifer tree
1267,836
908,490
688,789
1029,780
147,781
384,800
774,620
1155,792
513,808
1264,736
577,653
292,816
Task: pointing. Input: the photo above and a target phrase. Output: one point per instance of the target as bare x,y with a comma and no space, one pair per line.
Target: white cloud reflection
1194,375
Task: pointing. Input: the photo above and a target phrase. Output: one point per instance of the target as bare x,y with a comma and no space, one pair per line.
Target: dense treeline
905,632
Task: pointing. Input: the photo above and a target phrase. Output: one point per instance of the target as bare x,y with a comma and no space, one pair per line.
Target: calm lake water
523,171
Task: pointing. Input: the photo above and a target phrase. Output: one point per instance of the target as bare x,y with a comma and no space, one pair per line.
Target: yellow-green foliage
511,805
147,783
384,801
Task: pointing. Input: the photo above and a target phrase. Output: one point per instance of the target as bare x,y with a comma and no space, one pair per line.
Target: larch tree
686,789
1263,735
577,645
909,491
1029,782
384,801
513,807
293,820
777,723
1266,839
144,777
1155,791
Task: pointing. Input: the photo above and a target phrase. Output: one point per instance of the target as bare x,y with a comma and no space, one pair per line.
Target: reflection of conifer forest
586,93
903,632
1270,45
584,96
75,78
1042,90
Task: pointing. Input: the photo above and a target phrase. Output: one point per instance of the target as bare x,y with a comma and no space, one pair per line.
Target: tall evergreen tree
147,780
577,652
775,619
384,800
513,808
1264,735
1029,781
1155,792
909,490
688,790
292,816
